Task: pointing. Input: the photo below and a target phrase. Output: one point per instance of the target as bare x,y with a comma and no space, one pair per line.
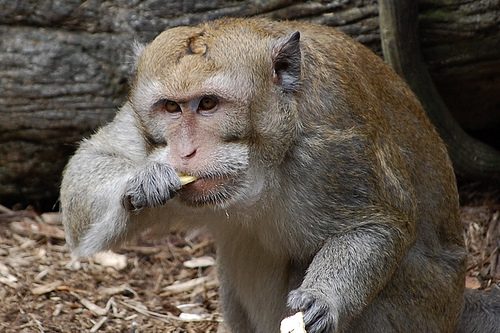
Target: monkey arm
95,183
346,274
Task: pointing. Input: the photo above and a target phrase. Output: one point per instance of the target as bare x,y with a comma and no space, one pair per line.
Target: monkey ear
286,59
138,49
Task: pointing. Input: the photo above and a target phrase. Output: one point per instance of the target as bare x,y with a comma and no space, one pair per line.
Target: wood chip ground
168,285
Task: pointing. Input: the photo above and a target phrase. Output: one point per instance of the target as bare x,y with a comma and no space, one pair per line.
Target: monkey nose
188,154
185,151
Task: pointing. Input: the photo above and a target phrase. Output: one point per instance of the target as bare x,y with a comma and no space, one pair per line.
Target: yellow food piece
186,179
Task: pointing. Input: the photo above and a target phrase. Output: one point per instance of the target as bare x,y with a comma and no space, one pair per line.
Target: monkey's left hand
319,315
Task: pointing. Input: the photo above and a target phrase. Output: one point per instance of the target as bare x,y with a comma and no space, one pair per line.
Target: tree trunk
401,45
64,66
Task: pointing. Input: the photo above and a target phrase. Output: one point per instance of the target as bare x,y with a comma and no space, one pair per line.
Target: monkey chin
216,191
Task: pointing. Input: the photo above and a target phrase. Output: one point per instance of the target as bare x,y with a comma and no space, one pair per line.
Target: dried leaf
192,317
46,288
10,281
28,227
118,290
472,282
98,325
186,286
100,311
52,218
200,262
111,259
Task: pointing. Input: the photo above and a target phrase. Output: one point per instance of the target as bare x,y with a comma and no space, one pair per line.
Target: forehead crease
187,76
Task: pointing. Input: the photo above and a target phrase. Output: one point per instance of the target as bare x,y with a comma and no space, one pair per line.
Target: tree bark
64,65
471,158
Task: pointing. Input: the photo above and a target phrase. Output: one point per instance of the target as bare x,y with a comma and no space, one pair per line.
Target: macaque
313,165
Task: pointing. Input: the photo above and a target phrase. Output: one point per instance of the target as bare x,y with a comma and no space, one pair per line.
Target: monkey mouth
209,189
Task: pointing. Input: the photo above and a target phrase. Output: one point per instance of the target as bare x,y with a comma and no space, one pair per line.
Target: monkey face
203,129
204,134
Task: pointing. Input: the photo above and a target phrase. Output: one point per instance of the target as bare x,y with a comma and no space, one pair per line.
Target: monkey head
215,105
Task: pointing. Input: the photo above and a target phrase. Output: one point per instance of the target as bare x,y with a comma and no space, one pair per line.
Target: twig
98,325
185,286
166,318
484,261
38,323
93,307
6,210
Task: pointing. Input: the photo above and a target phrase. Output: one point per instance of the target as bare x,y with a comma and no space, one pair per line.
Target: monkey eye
171,106
207,103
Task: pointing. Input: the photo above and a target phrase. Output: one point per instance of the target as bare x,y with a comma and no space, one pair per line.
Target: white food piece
293,324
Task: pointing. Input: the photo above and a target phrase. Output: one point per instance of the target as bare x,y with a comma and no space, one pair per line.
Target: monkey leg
425,294
235,316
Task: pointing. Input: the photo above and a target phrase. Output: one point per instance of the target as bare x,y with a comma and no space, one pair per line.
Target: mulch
167,285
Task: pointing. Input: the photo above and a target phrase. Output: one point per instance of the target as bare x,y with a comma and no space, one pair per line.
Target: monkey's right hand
319,315
151,186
